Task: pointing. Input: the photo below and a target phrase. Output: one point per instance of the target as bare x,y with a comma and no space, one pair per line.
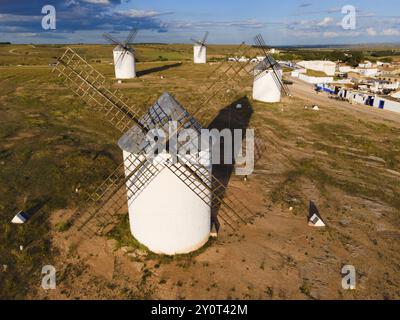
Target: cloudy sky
284,22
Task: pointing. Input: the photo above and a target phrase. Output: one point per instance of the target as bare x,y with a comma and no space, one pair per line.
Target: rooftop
266,64
166,109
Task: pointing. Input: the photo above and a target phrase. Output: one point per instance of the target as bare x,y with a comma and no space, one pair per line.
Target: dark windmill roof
166,109
267,63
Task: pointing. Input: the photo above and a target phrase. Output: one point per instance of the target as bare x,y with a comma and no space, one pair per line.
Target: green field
44,54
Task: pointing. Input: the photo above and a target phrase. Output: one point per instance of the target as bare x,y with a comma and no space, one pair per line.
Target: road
306,92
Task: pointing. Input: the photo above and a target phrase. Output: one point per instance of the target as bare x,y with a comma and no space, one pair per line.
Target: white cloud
327,21
97,1
315,25
18,18
391,32
371,32
246,24
254,24
26,34
331,34
133,13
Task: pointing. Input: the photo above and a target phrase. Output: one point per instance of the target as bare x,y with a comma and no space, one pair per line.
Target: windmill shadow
228,118
36,208
158,69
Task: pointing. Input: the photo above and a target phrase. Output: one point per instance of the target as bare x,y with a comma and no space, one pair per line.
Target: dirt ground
345,158
278,256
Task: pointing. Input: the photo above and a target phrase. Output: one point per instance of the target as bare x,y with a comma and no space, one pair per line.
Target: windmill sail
194,175
203,43
102,207
88,84
271,64
132,35
200,49
110,196
124,59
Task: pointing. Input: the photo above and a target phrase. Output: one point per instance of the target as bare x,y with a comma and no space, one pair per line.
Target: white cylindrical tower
266,86
125,67
167,216
166,213
199,54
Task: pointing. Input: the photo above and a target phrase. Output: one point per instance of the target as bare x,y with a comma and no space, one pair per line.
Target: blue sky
284,22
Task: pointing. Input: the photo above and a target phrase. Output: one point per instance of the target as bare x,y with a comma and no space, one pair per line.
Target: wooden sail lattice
89,84
110,196
103,207
260,43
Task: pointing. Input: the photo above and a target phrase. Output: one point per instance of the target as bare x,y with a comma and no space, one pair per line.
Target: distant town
374,84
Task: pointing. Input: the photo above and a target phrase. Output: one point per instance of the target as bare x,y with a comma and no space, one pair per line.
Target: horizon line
218,44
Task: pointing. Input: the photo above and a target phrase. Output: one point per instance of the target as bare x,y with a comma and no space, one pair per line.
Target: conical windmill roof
122,49
166,109
267,63
118,48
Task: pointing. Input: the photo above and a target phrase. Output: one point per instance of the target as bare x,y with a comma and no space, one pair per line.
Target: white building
371,100
345,69
327,67
367,72
166,215
366,65
315,80
124,63
383,64
267,82
396,94
296,73
387,104
199,53
243,59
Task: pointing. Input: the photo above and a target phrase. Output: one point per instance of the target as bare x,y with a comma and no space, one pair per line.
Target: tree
355,58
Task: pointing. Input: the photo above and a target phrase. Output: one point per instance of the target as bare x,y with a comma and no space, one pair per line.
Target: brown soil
278,256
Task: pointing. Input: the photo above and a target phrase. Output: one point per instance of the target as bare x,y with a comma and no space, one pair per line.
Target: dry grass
348,164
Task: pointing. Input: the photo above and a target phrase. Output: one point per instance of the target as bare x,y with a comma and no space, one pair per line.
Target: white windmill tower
268,83
166,216
124,56
173,205
200,50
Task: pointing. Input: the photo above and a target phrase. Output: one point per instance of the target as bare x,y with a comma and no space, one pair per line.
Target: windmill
134,177
200,50
124,56
268,83
314,217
